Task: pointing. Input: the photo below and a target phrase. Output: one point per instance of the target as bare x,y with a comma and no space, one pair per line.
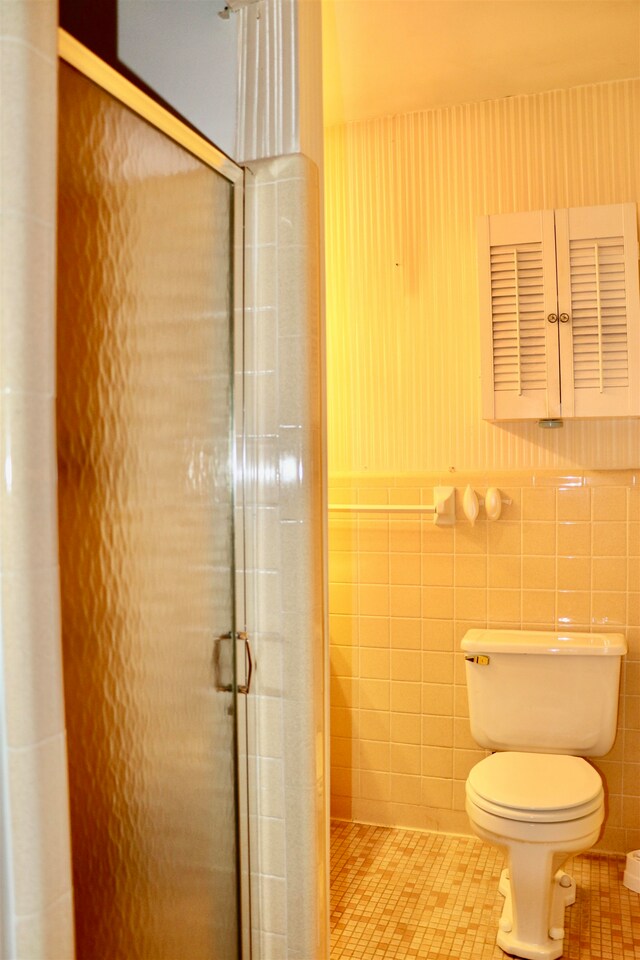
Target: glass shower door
145,449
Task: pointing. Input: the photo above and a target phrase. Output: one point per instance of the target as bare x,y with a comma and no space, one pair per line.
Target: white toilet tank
543,692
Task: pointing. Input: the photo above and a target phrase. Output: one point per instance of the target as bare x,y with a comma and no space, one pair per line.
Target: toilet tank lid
544,641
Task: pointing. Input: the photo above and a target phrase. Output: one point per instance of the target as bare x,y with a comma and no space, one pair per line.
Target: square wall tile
374,631
538,538
503,572
574,539
505,538
48,933
405,536
405,758
538,503
437,762
405,569
544,565
538,573
405,789
405,727
406,665
373,568
609,539
574,503
470,602
28,82
573,607
404,601
470,571
405,633
39,796
437,570
406,697
374,663
574,573
32,656
609,503
374,725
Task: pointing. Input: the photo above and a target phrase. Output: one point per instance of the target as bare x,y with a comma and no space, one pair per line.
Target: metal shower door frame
93,68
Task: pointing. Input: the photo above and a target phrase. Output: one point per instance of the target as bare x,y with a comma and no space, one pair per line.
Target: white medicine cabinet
560,313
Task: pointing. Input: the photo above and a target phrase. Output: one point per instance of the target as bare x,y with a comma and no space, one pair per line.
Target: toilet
542,701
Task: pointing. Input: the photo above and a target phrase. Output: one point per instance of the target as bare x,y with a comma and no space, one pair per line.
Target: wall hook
470,505
493,503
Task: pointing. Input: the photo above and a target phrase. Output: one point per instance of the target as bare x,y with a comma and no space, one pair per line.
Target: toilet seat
535,787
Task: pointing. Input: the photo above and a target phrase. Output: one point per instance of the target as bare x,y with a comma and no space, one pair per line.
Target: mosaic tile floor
403,894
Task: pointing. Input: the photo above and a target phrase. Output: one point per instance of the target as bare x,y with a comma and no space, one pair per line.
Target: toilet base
564,894
533,924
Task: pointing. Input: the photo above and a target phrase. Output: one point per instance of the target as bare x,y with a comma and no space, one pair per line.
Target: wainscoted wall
403,196
565,554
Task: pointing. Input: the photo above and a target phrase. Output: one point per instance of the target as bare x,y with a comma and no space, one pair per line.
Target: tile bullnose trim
543,478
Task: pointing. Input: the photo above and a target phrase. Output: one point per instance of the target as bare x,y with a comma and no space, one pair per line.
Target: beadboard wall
403,197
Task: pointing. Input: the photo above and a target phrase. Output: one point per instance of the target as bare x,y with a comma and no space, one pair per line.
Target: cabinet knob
564,318
553,318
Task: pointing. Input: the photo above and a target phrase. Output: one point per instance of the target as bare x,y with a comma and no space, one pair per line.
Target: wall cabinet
560,313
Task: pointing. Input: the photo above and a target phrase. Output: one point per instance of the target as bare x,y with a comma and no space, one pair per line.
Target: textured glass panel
145,534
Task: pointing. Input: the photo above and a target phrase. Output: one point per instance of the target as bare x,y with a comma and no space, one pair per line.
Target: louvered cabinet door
519,346
597,254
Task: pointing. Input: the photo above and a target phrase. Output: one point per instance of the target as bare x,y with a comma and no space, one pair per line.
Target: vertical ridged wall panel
267,115
403,195
280,81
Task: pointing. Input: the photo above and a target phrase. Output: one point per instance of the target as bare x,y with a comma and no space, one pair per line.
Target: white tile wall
35,862
285,558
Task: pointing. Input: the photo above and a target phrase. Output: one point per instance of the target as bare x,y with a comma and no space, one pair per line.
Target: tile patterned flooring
406,894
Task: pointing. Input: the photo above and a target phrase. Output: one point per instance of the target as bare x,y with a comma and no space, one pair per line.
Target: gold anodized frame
91,66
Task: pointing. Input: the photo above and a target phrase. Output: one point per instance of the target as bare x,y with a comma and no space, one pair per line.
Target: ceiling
383,57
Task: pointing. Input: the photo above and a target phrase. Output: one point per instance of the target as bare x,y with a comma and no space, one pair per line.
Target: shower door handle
223,665
248,663
220,663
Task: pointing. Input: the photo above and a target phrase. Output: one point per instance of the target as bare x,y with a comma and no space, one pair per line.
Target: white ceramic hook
493,503
470,505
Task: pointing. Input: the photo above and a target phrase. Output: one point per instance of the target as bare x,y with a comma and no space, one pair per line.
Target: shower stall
182,519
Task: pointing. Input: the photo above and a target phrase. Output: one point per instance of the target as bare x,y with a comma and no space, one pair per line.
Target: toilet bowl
542,700
541,809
